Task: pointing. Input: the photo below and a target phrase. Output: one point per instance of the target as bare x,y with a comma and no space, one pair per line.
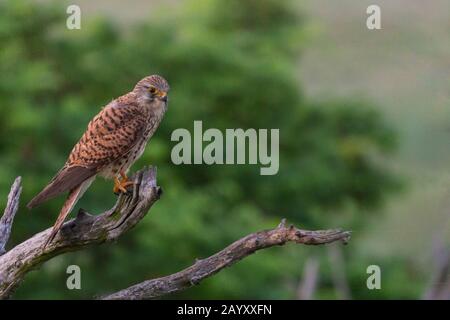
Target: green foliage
230,64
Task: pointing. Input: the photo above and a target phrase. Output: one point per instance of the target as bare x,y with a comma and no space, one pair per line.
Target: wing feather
109,136
65,180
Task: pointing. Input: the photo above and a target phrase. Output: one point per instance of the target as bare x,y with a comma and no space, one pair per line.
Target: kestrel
113,141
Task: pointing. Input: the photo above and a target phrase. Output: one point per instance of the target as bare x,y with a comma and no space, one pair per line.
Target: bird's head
152,90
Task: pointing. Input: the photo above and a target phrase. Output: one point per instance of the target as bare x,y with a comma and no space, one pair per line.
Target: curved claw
121,185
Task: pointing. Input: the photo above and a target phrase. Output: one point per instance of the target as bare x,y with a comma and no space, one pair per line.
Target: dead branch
80,232
87,229
240,249
10,212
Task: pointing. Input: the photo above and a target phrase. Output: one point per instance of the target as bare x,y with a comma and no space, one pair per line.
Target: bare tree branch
80,232
240,249
86,229
10,212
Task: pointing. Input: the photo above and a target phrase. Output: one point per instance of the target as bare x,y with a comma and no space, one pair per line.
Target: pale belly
123,164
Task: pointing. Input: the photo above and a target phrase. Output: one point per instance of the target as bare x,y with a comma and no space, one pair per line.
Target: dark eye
152,90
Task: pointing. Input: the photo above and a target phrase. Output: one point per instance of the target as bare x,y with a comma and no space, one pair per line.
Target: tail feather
73,197
68,178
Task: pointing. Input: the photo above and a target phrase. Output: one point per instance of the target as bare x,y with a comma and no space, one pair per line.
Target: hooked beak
163,97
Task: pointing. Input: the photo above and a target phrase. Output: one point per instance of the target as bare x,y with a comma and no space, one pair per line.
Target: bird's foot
120,186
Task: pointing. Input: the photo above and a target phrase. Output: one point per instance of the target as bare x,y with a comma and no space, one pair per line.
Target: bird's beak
163,96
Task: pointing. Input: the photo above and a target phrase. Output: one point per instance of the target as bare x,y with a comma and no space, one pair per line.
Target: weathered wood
10,212
87,229
80,232
240,249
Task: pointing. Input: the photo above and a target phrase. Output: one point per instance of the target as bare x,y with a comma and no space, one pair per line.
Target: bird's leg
121,185
118,186
125,181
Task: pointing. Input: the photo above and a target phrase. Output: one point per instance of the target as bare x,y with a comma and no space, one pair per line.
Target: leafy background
363,130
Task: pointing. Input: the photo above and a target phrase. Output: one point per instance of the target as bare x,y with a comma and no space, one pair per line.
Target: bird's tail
73,197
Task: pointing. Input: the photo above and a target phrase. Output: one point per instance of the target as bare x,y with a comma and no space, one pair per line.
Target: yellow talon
121,185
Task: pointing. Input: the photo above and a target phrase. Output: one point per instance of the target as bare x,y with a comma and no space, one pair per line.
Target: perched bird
113,141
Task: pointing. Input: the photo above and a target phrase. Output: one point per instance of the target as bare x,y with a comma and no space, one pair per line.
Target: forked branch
87,229
80,232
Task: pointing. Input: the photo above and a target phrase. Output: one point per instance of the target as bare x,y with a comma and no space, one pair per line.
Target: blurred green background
363,118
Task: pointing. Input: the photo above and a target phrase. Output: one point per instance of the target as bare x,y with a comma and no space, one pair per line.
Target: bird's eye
152,90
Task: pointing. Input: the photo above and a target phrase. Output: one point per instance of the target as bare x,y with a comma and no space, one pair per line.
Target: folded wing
109,136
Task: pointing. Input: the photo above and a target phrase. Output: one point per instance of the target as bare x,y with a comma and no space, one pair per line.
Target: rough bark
86,229
10,212
80,232
238,250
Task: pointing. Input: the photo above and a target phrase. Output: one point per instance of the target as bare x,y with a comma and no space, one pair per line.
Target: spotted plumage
113,141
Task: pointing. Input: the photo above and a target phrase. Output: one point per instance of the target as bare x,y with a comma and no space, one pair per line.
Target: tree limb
86,229
80,232
10,212
240,249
